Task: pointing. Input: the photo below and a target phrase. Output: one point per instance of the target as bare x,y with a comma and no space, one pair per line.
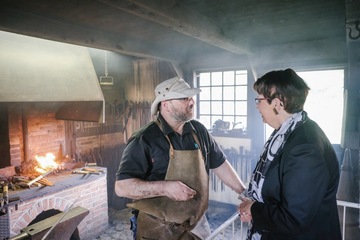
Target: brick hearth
88,191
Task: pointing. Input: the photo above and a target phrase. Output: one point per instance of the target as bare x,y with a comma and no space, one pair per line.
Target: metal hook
357,27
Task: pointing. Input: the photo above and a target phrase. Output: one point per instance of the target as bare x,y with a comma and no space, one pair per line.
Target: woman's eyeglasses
257,100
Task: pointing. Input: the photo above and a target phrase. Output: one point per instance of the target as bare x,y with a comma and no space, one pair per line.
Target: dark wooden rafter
171,15
36,25
185,32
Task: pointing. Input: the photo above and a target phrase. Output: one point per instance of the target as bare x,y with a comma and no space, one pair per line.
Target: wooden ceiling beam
170,14
21,22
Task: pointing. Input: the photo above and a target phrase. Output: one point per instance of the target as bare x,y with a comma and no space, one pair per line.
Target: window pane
241,79
204,79
244,72
206,121
241,123
205,93
205,107
241,108
241,92
216,78
229,78
216,107
229,108
229,119
229,93
216,93
215,118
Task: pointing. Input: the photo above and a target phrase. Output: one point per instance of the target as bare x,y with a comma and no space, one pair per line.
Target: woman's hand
245,209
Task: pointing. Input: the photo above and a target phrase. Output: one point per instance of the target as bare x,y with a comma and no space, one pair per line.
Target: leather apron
162,218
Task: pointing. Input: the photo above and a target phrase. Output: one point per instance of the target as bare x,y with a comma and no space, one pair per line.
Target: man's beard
181,116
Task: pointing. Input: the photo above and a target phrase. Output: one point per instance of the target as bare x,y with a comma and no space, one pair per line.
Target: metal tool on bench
88,170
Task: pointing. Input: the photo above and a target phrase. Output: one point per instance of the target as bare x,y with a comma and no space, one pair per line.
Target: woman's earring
275,111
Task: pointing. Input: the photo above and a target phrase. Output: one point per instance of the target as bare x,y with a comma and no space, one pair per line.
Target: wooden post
25,134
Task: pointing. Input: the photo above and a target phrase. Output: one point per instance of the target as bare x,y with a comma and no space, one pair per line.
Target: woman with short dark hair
292,192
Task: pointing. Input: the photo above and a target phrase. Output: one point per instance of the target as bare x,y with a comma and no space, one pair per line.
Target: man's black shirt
146,155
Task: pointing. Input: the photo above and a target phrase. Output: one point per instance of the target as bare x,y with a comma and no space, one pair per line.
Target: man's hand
178,191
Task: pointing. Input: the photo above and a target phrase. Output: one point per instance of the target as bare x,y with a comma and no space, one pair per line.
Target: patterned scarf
272,148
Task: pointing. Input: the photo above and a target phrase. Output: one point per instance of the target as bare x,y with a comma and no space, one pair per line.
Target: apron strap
171,146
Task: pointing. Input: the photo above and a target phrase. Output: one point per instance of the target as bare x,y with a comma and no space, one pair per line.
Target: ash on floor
217,214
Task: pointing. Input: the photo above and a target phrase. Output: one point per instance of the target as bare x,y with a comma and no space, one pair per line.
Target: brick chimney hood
39,71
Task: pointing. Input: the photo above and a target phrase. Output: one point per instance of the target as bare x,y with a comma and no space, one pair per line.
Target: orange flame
46,163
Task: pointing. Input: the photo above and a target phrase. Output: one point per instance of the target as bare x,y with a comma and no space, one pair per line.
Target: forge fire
32,173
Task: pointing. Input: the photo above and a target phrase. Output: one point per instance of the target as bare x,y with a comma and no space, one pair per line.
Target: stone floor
217,214
119,226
